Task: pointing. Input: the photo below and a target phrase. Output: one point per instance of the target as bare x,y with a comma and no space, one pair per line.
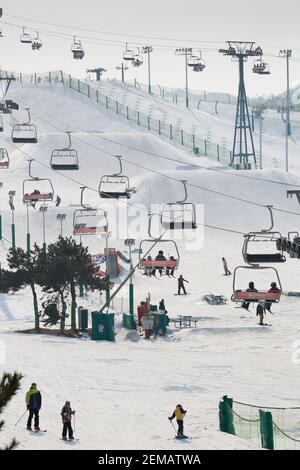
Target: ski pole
172,425
21,417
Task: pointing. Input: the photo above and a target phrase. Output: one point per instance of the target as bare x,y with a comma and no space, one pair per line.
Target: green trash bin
83,318
103,326
128,322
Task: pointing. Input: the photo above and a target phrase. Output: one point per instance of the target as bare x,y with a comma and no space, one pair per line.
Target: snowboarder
162,306
58,201
225,265
179,413
251,288
274,288
181,282
260,312
66,414
33,403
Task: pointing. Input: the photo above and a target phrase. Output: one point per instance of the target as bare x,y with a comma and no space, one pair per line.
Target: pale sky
271,24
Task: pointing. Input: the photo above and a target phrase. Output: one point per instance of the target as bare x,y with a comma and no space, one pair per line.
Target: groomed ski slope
124,392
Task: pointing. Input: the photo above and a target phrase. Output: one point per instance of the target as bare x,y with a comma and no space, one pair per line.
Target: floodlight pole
287,54
61,218
147,50
186,51
13,227
122,67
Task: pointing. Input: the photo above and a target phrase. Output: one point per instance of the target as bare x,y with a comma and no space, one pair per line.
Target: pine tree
9,385
26,267
68,264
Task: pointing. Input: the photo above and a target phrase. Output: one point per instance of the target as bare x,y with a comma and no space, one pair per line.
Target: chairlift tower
243,145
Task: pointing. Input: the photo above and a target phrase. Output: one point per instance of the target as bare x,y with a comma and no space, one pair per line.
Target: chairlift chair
179,215
65,158
36,43
262,295
261,68
128,54
25,38
138,59
86,219
115,186
77,50
147,264
4,159
24,133
265,237
39,193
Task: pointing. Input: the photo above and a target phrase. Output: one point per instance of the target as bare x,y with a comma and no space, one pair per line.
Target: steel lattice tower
243,145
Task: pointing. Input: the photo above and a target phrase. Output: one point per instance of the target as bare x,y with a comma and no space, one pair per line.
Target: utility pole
186,52
61,218
11,195
243,145
43,210
122,67
147,50
287,54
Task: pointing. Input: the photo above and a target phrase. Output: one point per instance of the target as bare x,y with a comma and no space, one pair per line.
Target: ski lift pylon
86,220
116,185
264,237
160,262
65,158
40,184
4,159
24,133
180,214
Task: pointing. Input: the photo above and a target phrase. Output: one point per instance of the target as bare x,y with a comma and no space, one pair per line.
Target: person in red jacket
274,288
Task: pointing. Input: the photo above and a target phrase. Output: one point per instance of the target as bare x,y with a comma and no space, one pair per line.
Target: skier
225,265
33,403
66,414
179,413
181,282
251,288
260,312
274,288
58,201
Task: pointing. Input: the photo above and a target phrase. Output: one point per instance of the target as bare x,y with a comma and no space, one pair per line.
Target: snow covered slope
123,392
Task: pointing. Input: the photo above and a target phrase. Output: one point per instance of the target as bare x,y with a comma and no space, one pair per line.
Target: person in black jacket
66,414
33,403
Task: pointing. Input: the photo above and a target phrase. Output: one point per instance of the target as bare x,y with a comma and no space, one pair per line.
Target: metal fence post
171,132
205,147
